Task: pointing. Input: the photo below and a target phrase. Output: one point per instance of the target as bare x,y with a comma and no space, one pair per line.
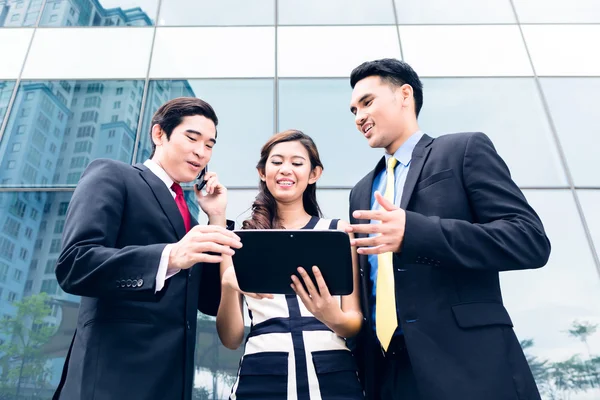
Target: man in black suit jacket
142,264
456,220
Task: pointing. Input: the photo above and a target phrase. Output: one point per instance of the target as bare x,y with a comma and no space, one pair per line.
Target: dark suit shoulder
457,139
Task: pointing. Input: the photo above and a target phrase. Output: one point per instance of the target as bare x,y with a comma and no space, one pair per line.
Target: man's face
377,106
188,150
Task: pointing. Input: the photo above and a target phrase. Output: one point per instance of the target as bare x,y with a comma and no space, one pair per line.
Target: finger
206,258
370,241
211,247
216,237
214,229
375,250
210,184
312,290
209,174
364,228
378,215
323,289
385,203
299,289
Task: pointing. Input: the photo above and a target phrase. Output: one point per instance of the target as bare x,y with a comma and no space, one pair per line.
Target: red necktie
181,204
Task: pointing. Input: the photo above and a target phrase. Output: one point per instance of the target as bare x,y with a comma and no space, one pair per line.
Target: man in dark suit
142,264
436,221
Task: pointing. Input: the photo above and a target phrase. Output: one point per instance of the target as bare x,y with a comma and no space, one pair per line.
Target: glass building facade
80,79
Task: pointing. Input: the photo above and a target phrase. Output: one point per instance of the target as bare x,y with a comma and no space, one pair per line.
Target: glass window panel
245,112
57,144
334,203
586,11
465,50
573,106
342,12
13,48
320,108
455,12
99,13
19,13
22,279
565,50
89,53
301,50
518,127
545,304
217,13
589,202
6,90
250,53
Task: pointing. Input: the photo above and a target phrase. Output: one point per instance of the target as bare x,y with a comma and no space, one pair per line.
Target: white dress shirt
164,272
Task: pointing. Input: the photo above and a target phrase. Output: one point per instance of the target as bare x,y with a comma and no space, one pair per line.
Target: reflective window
320,108
509,111
99,13
217,13
589,202
342,12
19,12
67,124
6,90
301,51
455,12
555,309
493,50
564,50
250,53
245,112
89,53
29,246
13,48
573,108
557,11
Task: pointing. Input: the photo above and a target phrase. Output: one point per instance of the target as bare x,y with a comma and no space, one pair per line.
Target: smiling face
288,171
188,150
384,112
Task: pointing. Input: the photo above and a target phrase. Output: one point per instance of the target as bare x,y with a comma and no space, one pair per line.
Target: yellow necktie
385,301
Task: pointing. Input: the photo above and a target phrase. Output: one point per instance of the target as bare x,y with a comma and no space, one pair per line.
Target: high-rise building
80,80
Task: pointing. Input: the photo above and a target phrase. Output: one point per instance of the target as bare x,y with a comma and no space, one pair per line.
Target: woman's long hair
264,208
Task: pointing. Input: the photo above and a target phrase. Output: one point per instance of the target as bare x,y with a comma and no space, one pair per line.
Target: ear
407,95
157,135
261,174
315,174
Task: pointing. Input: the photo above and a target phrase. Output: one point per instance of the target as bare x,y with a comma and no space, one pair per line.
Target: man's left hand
214,202
388,235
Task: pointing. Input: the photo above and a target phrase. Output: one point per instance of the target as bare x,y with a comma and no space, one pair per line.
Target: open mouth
285,182
367,128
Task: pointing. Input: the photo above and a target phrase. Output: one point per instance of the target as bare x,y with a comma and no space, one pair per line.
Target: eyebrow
361,100
199,133
279,155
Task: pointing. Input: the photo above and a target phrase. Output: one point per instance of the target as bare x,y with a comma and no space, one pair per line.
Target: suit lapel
164,198
419,156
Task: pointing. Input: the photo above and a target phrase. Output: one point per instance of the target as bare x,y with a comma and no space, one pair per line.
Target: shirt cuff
164,272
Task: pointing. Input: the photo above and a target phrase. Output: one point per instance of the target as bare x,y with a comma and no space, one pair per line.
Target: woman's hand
318,301
229,281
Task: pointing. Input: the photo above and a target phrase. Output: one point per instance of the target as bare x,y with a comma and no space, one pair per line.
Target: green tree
23,362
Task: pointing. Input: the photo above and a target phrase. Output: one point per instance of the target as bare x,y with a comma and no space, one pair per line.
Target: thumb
383,202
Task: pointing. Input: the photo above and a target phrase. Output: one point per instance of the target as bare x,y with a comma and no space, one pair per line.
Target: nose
285,169
359,119
199,151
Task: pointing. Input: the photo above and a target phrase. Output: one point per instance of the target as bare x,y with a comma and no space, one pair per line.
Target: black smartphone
200,182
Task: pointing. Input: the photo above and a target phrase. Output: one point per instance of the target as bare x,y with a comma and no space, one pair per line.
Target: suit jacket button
128,282
140,282
190,273
187,324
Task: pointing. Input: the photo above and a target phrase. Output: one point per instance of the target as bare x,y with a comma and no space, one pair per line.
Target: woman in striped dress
296,348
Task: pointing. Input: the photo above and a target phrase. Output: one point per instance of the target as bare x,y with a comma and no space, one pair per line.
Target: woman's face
288,171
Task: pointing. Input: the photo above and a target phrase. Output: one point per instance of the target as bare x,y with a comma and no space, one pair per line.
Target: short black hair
170,115
395,72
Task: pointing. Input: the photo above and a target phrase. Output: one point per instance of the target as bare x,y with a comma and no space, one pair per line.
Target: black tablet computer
269,257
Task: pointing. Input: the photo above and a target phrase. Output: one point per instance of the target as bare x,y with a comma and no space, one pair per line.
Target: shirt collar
159,171
404,153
